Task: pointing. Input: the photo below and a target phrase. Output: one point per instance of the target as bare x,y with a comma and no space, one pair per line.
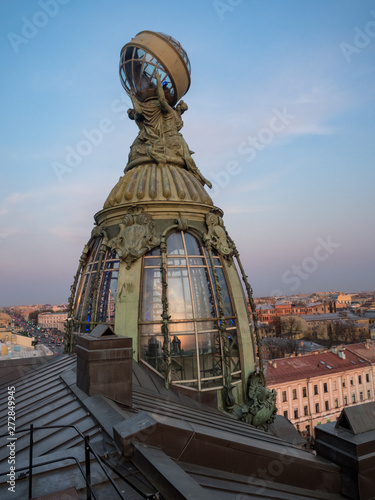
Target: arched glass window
106,283
195,343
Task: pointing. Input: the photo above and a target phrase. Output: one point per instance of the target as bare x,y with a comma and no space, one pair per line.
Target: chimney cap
102,331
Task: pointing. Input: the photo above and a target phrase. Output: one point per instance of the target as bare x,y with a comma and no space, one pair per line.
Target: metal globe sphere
149,53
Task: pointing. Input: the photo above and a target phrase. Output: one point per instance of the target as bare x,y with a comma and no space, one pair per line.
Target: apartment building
268,313
313,389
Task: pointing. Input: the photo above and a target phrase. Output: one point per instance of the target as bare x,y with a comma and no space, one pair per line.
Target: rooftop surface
167,441
365,350
312,365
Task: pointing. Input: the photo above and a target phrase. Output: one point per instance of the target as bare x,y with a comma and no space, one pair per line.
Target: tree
291,327
33,316
277,324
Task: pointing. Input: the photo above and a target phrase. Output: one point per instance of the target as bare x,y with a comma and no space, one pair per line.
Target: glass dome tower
159,266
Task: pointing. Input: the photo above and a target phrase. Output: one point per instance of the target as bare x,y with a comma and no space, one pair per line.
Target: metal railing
86,473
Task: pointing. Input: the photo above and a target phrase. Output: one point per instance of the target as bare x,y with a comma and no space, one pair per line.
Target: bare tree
291,327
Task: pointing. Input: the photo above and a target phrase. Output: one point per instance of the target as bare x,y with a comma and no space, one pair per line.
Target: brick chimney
104,364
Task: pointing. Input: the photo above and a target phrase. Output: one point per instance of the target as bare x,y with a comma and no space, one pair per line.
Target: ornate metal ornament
136,236
217,235
260,409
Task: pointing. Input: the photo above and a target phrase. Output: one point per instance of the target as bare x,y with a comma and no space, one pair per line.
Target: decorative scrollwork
260,409
135,237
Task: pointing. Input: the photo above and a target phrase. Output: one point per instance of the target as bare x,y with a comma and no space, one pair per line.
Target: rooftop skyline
280,118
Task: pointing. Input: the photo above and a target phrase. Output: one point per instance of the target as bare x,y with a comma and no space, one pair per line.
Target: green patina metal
228,399
165,316
252,308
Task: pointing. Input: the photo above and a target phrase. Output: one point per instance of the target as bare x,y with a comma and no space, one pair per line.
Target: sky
281,119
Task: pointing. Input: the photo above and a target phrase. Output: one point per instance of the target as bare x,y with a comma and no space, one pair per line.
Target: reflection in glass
192,245
179,297
151,347
204,304
183,357
151,298
195,345
106,284
107,297
175,245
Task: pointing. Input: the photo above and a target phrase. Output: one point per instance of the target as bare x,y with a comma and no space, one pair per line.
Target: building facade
313,389
269,313
52,320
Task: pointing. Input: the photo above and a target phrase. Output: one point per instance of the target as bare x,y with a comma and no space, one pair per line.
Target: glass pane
228,311
151,297
155,262
82,297
209,355
107,296
162,74
235,366
128,71
179,299
129,53
111,254
192,245
150,328
183,357
151,348
176,262
181,327
175,245
148,69
211,384
206,326
114,264
155,251
96,250
196,261
138,53
203,301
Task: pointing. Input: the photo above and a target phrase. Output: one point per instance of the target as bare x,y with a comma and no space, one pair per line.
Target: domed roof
149,182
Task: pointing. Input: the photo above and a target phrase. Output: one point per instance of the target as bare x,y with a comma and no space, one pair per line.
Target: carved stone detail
135,237
217,235
260,409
